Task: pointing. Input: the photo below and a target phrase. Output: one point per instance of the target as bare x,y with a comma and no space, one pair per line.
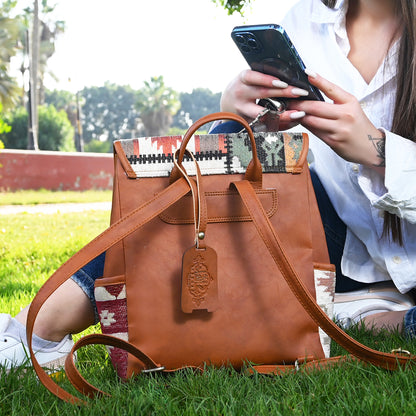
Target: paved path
54,208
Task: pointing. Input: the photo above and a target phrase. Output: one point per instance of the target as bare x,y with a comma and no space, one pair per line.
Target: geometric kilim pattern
215,153
325,290
112,309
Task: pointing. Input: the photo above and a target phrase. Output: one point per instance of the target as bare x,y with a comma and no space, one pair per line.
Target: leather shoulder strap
100,244
145,213
267,233
275,248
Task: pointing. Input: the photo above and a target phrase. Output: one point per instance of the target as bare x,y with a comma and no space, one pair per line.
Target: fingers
323,119
267,86
241,94
250,77
316,108
326,129
332,91
290,119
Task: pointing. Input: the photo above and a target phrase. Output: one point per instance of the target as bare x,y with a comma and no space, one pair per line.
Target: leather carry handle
274,246
254,170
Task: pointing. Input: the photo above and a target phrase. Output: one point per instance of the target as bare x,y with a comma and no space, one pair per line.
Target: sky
128,41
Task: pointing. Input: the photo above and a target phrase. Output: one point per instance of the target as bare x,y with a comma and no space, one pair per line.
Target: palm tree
49,31
42,47
157,104
9,37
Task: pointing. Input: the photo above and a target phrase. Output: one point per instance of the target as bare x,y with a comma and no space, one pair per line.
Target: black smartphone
268,49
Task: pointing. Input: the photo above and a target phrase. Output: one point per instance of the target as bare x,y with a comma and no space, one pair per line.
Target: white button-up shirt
358,194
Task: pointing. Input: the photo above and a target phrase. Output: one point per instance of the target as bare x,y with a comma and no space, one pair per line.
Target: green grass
52,197
33,246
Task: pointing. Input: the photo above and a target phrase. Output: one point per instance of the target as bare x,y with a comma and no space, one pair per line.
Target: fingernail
299,91
297,115
279,84
310,73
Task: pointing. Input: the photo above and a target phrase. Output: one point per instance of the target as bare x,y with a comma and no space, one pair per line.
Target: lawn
32,246
29,197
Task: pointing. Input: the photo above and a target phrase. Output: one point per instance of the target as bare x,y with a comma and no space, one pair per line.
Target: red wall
27,169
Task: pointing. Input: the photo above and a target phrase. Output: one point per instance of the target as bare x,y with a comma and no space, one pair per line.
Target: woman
362,138
363,155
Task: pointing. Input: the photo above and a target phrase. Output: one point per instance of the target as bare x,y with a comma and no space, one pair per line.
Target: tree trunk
33,81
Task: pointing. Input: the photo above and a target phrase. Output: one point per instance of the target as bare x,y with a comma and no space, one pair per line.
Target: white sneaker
14,351
351,307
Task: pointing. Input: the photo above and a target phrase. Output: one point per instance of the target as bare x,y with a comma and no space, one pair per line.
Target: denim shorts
410,323
86,276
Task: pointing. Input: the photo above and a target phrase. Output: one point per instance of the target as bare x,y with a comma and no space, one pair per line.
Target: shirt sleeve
396,192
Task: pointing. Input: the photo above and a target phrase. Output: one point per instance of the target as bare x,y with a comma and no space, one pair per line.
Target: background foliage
104,113
108,113
233,6
55,130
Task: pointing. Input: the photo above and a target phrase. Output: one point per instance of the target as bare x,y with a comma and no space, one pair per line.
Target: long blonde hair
404,114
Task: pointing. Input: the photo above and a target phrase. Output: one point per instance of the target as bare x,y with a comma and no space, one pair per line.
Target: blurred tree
49,31
63,100
66,101
10,31
39,46
4,127
232,6
17,137
194,105
96,146
157,104
55,130
109,113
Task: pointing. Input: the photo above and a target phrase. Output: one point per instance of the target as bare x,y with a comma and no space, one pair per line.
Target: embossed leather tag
199,280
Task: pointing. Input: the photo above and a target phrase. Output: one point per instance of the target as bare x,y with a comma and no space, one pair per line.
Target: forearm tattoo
379,144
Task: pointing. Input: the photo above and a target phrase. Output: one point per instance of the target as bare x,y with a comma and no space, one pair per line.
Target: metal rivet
201,235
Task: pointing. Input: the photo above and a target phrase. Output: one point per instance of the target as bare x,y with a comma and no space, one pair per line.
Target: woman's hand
342,124
241,94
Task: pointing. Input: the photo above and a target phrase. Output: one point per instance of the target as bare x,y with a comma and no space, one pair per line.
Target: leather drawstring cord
198,199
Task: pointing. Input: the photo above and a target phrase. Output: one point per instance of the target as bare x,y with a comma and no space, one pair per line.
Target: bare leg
385,320
67,311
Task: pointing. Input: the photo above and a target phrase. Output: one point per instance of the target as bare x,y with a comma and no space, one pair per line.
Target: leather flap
216,153
225,206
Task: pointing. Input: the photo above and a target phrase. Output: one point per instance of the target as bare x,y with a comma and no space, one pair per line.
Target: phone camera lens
240,39
247,42
252,43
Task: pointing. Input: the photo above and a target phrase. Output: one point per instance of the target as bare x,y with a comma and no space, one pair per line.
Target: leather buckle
400,351
153,370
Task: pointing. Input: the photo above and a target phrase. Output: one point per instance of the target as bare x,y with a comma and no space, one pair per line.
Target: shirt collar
323,14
